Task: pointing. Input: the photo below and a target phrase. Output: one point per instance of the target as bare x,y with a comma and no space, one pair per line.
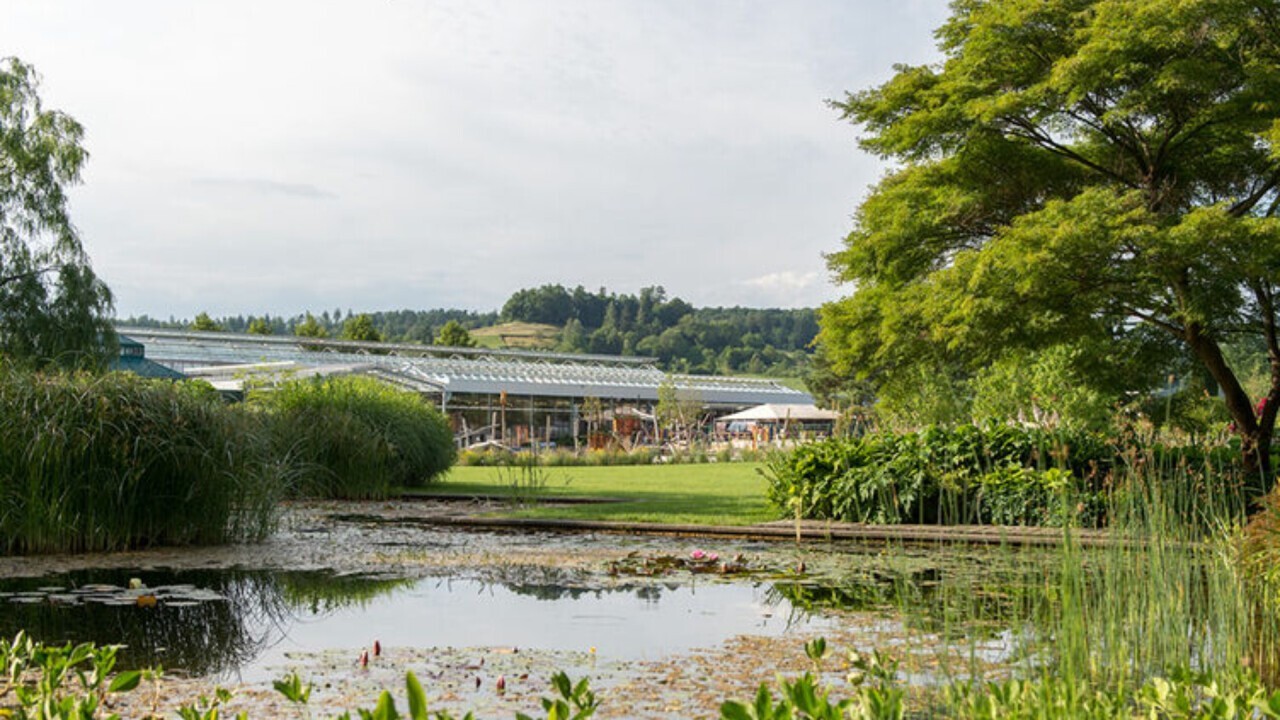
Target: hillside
522,335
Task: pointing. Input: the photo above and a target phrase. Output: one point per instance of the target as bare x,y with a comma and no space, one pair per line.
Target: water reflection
262,619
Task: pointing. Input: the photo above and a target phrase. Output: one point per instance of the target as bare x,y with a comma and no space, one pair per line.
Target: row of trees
682,337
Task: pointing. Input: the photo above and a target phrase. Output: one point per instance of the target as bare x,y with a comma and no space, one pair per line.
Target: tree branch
1177,330
1246,204
1029,131
6,279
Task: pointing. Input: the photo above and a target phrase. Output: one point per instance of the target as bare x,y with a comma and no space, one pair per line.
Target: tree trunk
1254,430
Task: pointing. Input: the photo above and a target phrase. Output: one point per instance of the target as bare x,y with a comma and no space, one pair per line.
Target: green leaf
731,710
386,708
417,697
125,681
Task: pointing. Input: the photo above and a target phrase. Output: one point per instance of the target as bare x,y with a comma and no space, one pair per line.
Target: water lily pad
97,588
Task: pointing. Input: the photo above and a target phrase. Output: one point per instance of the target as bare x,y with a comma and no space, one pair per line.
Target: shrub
993,474
356,437
107,462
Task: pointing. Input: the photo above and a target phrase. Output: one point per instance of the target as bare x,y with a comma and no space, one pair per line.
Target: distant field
517,335
707,494
795,383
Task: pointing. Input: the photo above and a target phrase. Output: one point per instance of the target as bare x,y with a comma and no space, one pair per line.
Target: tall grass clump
1163,592
108,462
1169,591
355,437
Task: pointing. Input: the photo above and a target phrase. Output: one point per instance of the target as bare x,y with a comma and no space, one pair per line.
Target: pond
660,627
245,624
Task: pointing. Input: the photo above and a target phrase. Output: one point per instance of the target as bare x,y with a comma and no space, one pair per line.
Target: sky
252,157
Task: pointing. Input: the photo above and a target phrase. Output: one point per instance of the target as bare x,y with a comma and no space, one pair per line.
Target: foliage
260,326
574,701
453,334
107,462
53,309
310,327
921,396
989,474
1181,696
875,692
1099,171
356,437
361,328
1045,387
204,323
59,682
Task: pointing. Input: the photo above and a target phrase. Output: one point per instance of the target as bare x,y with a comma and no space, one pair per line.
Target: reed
108,462
1169,594
355,437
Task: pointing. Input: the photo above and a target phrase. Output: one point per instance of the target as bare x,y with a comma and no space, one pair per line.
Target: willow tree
53,309
1092,171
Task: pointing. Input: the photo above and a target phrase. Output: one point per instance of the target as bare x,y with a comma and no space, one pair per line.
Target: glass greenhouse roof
453,371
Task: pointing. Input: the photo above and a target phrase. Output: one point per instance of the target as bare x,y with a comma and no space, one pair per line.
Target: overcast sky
251,157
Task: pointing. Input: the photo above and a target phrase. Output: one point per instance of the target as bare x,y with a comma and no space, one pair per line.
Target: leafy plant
576,701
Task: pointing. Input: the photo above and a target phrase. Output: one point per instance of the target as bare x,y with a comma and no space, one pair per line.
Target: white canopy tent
776,412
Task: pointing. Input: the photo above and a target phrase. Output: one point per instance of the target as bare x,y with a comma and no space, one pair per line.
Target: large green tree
53,309
1096,170
453,334
361,328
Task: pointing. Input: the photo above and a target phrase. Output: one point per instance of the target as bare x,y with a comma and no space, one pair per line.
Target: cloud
263,186
786,281
424,153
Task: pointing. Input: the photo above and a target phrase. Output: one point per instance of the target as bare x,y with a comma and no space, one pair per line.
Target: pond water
673,635
246,624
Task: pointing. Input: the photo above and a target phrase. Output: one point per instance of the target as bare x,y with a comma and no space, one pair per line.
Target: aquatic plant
875,691
525,480
114,461
355,437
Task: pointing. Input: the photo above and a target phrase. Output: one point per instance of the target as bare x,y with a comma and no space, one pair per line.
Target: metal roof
464,370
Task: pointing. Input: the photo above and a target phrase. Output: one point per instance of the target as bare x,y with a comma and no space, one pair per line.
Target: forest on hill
734,340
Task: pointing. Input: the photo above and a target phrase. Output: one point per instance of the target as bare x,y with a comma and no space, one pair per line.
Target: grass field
520,335
709,494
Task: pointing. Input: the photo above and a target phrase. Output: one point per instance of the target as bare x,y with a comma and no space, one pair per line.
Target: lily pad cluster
114,595
698,561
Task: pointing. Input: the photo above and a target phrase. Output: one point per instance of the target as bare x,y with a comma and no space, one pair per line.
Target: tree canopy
361,328
453,334
1102,171
53,308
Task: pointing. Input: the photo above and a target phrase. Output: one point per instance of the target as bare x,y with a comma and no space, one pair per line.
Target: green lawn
713,494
